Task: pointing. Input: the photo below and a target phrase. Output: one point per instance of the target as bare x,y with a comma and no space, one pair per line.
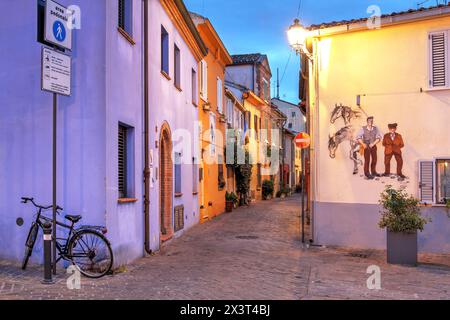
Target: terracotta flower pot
229,205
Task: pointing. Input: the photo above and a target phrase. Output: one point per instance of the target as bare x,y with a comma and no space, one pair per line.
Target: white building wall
168,104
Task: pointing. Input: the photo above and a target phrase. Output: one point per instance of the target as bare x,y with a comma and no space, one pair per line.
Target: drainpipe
146,137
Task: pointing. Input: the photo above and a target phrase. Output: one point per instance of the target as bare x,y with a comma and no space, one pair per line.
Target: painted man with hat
393,144
368,137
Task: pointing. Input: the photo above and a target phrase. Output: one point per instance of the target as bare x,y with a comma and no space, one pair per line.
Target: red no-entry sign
303,140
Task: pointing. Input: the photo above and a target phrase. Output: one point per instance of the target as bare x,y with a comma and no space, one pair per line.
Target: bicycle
85,247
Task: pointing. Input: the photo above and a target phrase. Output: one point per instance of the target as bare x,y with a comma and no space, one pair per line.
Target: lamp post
297,36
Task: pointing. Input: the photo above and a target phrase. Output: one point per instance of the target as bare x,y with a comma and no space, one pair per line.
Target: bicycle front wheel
91,252
29,244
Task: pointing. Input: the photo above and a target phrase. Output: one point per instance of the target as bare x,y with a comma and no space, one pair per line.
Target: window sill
435,89
126,35
195,193
178,88
127,200
178,195
432,205
194,104
166,75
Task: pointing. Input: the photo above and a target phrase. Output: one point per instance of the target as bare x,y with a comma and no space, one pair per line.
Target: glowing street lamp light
297,35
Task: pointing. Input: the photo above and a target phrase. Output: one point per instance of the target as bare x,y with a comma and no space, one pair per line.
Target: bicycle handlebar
26,200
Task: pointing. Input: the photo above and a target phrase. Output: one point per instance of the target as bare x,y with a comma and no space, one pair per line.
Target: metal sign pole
303,196
55,106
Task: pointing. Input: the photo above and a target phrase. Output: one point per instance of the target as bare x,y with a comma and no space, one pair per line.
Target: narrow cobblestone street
252,253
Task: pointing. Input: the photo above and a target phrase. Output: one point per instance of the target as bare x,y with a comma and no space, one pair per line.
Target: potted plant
447,206
230,200
402,219
267,189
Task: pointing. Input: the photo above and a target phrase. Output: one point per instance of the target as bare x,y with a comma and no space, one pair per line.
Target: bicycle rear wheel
29,244
91,252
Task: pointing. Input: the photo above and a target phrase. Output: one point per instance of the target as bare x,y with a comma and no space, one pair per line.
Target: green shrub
401,212
267,189
231,196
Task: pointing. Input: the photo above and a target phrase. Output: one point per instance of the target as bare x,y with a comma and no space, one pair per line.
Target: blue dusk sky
251,26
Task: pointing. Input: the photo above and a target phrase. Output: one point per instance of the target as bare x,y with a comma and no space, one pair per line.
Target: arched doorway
166,183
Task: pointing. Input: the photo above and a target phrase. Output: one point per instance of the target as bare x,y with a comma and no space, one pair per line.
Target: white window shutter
438,43
204,88
426,181
219,96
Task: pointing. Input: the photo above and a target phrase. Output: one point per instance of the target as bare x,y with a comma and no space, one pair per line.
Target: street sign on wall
56,25
56,72
303,140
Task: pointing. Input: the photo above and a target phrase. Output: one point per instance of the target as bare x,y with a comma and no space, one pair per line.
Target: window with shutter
194,87
219,95
426,183
178,173
164,51
195,179
443,180
212,128
177,66
438,59
125,15
204,80
122,161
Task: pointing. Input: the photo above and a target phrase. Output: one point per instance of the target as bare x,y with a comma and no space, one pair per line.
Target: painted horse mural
346,134
344,112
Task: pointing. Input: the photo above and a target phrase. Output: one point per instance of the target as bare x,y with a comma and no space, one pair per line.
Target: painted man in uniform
393,144
369,136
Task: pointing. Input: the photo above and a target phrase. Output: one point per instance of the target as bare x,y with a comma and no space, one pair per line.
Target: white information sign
56,72
57,30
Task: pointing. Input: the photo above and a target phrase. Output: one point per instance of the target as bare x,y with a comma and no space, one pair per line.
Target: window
255,118
294,114
266,93
125,163
194,87
195,179
290,126
164,51
434,186
212,128
230,111
443,180
259,176
125,16
438,64
204,80
178,173
177,67
219,96
221,179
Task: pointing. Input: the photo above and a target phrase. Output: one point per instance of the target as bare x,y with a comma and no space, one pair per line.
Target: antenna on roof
278,83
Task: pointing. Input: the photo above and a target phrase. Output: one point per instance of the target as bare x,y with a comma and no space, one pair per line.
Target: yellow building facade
397,73
212,119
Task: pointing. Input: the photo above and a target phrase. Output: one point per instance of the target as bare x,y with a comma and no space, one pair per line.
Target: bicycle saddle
72,218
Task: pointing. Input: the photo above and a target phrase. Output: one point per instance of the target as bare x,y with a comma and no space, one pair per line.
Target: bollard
47,253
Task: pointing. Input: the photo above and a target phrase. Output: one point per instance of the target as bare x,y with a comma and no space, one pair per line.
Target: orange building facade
213,123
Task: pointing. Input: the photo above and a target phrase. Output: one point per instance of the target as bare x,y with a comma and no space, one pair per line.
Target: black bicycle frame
62,249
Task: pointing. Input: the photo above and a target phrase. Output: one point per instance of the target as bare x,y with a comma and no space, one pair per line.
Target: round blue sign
59,32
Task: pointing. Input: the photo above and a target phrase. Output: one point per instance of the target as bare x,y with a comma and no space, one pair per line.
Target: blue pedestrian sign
57,30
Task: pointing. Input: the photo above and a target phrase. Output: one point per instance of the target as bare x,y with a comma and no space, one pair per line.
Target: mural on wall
365,143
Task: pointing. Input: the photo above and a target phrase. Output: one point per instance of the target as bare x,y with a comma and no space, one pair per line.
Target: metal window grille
122,151
122,14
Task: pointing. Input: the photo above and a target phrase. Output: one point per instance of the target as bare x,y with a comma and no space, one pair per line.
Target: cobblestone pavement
252,253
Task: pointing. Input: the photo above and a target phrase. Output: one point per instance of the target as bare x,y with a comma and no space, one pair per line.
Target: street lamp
297,35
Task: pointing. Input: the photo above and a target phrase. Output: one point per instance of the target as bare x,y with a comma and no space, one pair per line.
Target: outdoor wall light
297,35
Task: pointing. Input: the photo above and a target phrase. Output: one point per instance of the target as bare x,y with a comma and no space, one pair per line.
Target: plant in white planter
402,219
